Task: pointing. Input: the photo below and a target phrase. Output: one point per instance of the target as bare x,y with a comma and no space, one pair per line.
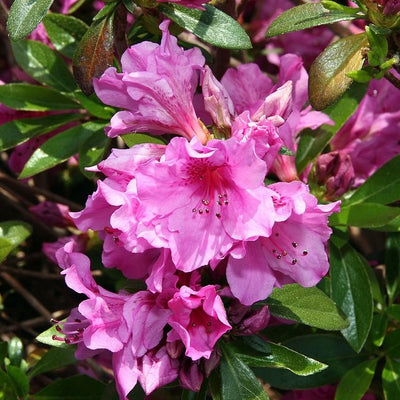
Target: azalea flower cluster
193,219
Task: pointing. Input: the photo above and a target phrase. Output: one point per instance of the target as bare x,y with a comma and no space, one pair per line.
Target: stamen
294,244
294,261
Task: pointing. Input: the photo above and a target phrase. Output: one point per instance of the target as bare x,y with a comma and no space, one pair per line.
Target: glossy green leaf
278,357
306,16
394,311
329,349
131,139
237,379
211,25
25,16
94,106
19,131
65,32
60,147
392,263
309,306
43,65
23,96
12,233
94,54
327,78
356,381
19,380
378,329
391,379
46,337
91,152
312,143
79,387
365,215
391,345
7,389
382,187
351,291
53,359
378,45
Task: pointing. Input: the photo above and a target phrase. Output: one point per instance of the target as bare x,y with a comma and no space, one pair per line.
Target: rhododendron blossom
156,88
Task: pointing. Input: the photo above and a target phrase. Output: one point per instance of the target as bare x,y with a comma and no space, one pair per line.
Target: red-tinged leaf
94,54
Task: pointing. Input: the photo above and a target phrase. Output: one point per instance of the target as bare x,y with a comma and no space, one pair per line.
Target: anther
200,211
274,251
194,325
284,253
294,244
279,256
219,202
207,210
226,202
305,252
294,261
194,210
218,215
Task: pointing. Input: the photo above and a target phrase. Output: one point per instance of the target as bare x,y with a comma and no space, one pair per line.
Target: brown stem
392,79
31,274
29,297
25,190
13,202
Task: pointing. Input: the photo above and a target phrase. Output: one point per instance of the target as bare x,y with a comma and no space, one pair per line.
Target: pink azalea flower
202,199
198,319
295,252
156,88
103,309
370,135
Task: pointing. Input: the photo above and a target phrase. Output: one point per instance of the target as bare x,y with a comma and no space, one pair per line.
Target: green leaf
131,139
19,380
312,143
285,151
25,16
329,349
12,233
351,291
378,45
94,106
378,329
3,351
392,263
43,65
327,78
212,25
91,152
391,345
65,32
53,359
309,306
94,54
278,357
60,147
23,96
356,381
237,379
365,215
7,389
306,16
46,337
361,76
394,311
391,379
80,387
19,131
382,187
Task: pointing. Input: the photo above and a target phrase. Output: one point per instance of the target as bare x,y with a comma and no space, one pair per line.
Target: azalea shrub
215,188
